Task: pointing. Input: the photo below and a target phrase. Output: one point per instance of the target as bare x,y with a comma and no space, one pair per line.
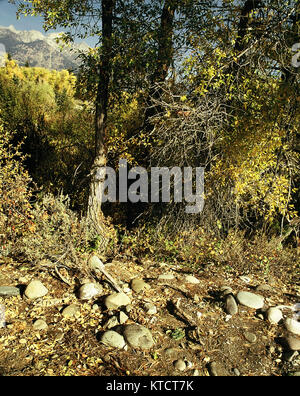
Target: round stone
40,325
231,305
250,300
192,279
9,291
138,336
293,342
138,285
116,300
274,315
89,291
293,326
113,339
35,289
180,365
70,311
250,337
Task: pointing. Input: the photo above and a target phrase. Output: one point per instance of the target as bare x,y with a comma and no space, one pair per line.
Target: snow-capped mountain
37,49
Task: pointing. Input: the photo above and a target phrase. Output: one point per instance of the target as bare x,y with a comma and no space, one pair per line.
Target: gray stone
9,291
35,289
274,315
231,305
70,311
116,300
250,300
113,339
89,291
138,285
138,336
40,325
180,365
293,342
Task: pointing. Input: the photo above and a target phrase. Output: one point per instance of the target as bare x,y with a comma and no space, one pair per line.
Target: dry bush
58,236
14,192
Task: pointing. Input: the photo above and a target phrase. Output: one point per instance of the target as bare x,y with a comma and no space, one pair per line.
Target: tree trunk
98,171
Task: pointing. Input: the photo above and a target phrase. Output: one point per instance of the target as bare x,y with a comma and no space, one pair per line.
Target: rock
213,369
40,325
274,315
264,288
70,311
292,326
166,277
113,339
123,318
192,279
35,289
245,279
112,322
95,263
293,342
250,337
250,300
138,336
225,290
89,291
116,300
170,353
196,373
289,356
231,307
9,291
138,285
150,309
180,365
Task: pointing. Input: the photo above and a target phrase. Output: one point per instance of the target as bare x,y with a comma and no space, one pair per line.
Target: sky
8,17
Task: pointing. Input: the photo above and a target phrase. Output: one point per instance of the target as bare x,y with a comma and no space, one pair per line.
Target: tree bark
98,172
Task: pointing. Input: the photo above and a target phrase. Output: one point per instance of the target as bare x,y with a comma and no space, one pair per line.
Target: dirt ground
200,332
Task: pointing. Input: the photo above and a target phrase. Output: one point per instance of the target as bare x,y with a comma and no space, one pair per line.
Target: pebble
293,326
70,311
293,342
250,337
264,288
213,369
112,322
9,291
166,277
89,291
192,279
123,318
180,365
35,289
113,339
116,300
40,325
139,285
95,263
250,300
150,309
274,315
231,307
138,336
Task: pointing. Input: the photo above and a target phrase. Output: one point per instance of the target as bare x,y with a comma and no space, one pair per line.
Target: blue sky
8,17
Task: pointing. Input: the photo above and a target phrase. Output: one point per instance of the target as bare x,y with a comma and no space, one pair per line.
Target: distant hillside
37,49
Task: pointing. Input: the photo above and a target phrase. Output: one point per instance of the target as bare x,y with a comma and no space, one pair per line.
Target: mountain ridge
38,50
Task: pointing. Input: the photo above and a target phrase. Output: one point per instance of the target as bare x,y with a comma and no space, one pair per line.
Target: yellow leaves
183,98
